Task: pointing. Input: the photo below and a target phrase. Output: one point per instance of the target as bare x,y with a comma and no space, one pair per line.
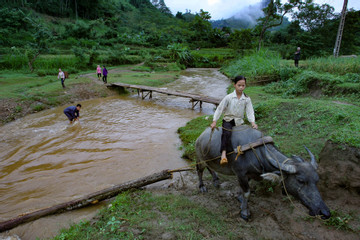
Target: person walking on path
73,113
98,71
105,73
233,106
297,57
61,76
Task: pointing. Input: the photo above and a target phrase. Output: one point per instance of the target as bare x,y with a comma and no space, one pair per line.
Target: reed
261,63
337,66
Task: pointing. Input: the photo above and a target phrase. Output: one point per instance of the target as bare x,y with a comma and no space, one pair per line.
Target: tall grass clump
338,66
261,63
49,63
304,82
15,59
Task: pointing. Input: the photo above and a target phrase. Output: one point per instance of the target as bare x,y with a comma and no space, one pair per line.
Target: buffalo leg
215,178
200,170
244,197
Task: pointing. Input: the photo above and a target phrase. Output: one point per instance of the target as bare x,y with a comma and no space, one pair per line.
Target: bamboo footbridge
147,91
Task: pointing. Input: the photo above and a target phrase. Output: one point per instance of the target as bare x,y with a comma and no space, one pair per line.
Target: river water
46,161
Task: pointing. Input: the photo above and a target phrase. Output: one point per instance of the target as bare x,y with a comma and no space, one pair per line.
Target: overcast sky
219,9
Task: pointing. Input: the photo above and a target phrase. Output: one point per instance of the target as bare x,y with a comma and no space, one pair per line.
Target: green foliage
15,27
339,220
16,59
304,82
312,15
263,62
242,39
180,53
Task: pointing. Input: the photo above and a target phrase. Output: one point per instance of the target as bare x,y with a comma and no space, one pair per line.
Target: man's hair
238,78
79,105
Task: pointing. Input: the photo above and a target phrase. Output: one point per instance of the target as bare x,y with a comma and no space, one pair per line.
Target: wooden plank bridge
147,91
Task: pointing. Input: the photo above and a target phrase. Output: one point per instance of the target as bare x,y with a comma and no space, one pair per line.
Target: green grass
23,86
262,63
139,214
338,66
190,132
144,78
31,93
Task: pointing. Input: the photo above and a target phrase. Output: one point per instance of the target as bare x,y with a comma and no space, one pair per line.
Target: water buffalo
300,177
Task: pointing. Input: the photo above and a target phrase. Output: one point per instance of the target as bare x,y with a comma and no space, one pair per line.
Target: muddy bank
274,216
340,173
12,109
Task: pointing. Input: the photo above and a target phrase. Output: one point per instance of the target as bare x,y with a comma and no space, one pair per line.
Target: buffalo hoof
244,217
217,183
203,189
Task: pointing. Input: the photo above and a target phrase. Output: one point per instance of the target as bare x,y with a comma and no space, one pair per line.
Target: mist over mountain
245,18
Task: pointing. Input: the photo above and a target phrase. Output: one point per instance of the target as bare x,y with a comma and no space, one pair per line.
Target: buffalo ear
273,177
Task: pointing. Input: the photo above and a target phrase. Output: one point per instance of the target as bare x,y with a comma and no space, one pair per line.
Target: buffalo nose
325,214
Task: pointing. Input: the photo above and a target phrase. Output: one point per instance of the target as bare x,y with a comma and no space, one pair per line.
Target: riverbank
23,93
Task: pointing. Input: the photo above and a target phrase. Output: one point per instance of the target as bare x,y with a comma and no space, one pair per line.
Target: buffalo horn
312,158
297,158
285,167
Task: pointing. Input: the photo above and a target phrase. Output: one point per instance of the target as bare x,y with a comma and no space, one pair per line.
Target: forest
117,31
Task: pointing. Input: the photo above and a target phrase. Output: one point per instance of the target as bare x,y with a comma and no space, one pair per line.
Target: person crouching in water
233,106
73,113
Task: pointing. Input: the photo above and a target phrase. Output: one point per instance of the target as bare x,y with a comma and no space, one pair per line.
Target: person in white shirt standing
61,76
234,106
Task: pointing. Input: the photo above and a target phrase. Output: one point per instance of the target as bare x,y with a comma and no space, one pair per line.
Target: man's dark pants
226,136
69,115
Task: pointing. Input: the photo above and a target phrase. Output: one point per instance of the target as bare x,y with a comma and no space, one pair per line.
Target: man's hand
213,125
254,125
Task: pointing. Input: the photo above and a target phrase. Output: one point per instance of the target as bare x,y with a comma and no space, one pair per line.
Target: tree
274,15
41,38
201,25
312,16
160,4
242,39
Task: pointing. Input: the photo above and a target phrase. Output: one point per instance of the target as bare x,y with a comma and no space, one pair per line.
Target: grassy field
133,215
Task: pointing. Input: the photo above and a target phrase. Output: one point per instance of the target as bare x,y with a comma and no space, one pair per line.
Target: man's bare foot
223,161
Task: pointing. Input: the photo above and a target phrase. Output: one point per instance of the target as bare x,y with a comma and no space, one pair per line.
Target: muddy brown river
46,161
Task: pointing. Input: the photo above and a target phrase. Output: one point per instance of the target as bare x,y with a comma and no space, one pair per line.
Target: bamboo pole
92,198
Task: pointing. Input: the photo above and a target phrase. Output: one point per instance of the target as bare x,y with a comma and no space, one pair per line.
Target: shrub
352,78
261,63
180,53
303,82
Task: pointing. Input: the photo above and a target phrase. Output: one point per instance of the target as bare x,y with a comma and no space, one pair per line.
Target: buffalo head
300,179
